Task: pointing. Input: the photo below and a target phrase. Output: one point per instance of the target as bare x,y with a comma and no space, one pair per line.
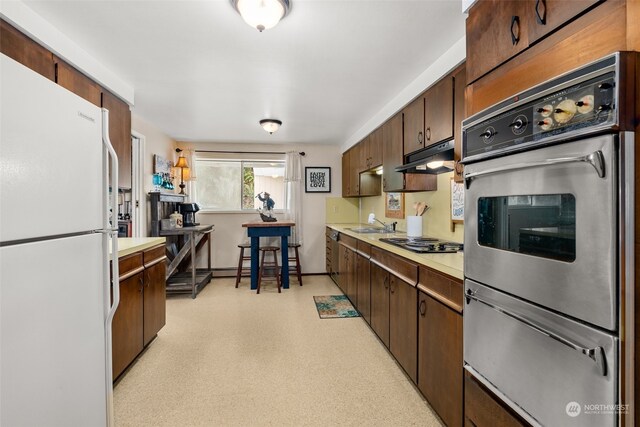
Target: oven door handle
596,354
595,159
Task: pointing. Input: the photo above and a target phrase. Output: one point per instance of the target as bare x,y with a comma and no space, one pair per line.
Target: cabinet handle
515,21
384,183
423,308
541,17
141,281
391,289
420,137
428,134
386,283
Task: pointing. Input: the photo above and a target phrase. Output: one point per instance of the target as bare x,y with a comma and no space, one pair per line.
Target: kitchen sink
369,230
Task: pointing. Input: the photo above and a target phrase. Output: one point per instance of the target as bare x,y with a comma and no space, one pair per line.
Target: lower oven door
544,364
542,225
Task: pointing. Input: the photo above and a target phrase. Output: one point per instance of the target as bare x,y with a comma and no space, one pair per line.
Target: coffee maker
188,211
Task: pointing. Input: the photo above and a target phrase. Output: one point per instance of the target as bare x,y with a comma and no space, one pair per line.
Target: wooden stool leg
298,266
239,273
260,270
275,259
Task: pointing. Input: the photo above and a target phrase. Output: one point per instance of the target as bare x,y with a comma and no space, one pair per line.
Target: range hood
417,162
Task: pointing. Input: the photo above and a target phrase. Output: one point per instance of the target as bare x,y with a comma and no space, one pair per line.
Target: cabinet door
414,126
460,85
352,284
76,82
120,135
403,324
364,287
438,112
346,177
363,153
154,300
380,303
22,49
354,172
343,277
375,148
392,154
440,358
547,15
481,409
126,328
496,31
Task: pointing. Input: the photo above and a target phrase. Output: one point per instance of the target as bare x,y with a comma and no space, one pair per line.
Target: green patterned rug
335,306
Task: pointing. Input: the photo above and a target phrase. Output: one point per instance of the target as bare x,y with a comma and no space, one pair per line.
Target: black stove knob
604,107
517,123
488,133
605,86
579,103
542,110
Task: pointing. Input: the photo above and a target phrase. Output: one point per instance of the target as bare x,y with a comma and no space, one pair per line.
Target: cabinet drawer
394,264
348,241
446,290
363,249
130,265
153,254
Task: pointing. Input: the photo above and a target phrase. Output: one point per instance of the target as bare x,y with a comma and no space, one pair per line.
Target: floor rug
334,306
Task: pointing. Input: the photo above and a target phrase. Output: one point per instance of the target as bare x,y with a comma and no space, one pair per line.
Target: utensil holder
414,226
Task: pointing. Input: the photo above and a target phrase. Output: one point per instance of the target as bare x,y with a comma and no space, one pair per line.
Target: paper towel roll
414,226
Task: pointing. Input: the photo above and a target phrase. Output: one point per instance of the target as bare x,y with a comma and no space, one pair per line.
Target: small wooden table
193,282
258,229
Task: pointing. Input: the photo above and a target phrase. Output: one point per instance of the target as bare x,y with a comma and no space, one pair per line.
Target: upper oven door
542,225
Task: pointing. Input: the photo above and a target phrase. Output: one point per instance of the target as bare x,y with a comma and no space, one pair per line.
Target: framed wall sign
317,180
394,205
457,203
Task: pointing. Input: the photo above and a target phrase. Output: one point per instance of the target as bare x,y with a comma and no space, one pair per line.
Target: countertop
129,245
451,264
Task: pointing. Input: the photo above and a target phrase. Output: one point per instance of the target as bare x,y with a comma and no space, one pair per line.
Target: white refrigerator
55,294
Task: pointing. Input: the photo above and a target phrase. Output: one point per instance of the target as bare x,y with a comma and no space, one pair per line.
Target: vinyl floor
234,358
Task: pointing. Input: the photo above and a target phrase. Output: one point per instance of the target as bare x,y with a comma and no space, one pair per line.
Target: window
226,185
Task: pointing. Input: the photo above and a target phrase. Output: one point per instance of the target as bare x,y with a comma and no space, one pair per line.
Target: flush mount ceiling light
262,14
270,125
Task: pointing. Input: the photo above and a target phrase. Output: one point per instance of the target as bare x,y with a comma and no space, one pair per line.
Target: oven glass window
538,225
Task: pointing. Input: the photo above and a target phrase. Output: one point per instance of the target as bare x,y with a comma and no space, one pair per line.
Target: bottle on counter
178,219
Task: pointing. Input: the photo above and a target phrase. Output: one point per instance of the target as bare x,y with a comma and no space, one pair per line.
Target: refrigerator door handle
110,199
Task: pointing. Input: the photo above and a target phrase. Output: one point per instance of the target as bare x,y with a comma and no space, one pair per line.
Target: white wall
228,230
156,142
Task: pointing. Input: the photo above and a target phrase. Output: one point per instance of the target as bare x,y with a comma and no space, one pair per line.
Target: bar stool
294,262
274,250
242,270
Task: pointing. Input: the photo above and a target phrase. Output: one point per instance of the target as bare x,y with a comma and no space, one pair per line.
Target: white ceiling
201,74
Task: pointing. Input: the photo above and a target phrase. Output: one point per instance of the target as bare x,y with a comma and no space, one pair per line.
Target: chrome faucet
389,228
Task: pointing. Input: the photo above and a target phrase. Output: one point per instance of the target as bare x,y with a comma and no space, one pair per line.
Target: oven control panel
557,113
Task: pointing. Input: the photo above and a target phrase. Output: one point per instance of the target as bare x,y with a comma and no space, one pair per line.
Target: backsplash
436,222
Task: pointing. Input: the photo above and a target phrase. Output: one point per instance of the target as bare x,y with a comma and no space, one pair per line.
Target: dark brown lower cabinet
380,302
482,409
155,296
440,358
126,328
363,273
141,312
403,325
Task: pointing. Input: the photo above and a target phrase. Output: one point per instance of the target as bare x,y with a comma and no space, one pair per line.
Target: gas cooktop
424,244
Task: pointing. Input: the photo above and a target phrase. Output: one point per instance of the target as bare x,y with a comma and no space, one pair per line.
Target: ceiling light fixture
270,125
262,14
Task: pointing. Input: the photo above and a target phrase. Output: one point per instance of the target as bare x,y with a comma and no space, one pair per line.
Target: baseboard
231,272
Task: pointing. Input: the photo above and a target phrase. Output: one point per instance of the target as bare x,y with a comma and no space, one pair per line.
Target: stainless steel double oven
548,234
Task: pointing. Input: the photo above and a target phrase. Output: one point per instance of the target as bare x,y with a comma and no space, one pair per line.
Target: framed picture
317,180
394,205
161,165
457,203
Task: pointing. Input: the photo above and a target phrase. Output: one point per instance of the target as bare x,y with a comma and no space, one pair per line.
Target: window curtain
190,155
293,179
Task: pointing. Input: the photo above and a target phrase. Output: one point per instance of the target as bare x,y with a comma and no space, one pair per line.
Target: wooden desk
258,229
193,281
